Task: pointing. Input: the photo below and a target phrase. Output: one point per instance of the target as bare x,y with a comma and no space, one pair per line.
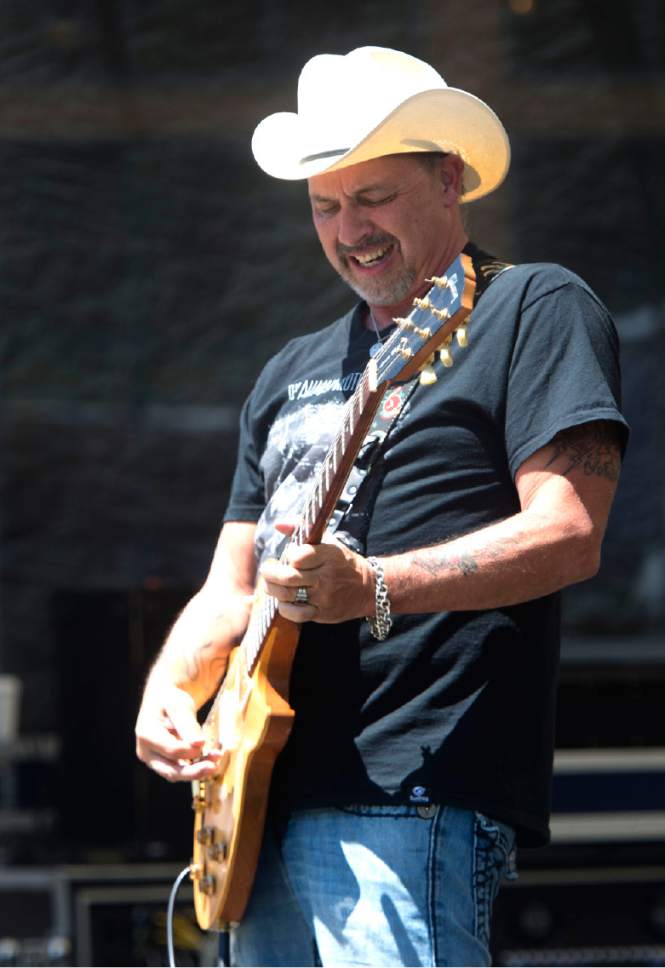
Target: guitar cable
169,914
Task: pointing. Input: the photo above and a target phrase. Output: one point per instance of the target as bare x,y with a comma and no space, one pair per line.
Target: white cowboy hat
375,101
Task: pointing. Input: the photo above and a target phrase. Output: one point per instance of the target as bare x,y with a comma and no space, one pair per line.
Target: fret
335,457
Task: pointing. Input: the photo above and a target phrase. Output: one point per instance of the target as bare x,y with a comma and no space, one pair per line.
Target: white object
10,702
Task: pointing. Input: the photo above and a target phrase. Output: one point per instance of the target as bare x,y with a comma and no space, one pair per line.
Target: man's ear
452,173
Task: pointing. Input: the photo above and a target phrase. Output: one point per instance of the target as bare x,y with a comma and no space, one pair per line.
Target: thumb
287,526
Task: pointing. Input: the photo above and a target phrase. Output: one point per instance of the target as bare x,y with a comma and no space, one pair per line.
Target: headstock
429,327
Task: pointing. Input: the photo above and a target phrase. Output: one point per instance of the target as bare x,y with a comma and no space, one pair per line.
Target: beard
387,290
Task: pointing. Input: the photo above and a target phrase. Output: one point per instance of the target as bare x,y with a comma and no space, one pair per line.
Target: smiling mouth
372,257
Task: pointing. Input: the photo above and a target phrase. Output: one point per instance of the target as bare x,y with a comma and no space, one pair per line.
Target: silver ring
302,598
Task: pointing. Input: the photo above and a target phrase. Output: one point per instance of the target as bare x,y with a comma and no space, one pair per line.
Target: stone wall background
148,269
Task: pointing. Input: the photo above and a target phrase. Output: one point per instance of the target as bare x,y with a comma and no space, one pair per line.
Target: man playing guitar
425,675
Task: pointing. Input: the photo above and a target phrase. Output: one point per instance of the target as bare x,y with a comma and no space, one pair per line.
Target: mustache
372,240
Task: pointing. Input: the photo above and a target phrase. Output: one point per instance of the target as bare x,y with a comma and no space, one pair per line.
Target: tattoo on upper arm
593,447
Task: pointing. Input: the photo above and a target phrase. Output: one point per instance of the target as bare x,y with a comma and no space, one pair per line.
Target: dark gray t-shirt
454,707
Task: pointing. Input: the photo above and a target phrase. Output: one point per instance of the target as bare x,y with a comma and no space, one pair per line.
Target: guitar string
253,644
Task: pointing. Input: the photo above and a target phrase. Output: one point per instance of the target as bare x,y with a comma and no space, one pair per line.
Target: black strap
350,519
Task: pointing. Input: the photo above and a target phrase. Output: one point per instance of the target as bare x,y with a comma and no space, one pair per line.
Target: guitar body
251,720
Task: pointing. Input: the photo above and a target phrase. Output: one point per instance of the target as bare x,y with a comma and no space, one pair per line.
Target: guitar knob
462,336
207,885
218,852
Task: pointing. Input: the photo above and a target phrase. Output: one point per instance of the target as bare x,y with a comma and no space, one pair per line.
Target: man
422,744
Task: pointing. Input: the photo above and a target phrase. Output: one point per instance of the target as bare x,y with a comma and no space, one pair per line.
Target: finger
286,594
281,573
164,742
180,710
297,613
162,730
306,557
287,525
182,770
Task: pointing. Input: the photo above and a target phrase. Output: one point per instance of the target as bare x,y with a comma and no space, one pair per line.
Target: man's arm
565,491
193,661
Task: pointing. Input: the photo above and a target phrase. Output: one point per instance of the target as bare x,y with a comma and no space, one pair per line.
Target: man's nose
354,225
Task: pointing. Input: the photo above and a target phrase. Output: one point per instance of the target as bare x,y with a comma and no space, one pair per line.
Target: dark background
148,269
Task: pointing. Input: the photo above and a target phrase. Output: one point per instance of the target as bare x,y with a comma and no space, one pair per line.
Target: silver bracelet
381,623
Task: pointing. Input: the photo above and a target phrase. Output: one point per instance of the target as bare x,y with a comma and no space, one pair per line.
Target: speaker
107,799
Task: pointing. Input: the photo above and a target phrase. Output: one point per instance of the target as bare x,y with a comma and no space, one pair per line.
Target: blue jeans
375,886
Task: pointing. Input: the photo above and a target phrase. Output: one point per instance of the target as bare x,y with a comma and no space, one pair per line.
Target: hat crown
343,96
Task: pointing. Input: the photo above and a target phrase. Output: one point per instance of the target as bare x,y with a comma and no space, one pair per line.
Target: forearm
520,558
195,653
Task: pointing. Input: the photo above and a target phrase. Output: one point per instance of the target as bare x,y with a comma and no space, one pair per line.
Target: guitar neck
331,476
322,496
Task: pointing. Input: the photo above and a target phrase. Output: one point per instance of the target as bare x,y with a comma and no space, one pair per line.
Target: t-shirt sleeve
564,370
247,500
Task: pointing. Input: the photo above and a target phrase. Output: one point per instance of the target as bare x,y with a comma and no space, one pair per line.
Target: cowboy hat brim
447,119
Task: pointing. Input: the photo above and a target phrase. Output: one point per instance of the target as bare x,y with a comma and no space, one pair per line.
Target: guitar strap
350,519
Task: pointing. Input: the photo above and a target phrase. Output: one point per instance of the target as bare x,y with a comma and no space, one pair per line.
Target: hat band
324,154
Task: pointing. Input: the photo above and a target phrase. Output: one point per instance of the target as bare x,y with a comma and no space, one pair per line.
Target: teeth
370,257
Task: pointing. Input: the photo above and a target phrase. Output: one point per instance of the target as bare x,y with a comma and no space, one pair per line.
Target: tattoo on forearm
194,664
592,447
437,562
466,564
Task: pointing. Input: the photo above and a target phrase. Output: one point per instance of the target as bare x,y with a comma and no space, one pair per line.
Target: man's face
388,224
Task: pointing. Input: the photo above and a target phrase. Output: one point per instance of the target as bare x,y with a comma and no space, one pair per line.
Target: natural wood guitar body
251,720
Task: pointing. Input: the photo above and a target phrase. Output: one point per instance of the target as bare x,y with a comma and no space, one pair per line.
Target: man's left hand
339,583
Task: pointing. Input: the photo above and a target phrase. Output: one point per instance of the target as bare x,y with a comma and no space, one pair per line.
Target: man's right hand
169,738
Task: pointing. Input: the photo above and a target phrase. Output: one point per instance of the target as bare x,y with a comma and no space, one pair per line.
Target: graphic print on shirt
297,444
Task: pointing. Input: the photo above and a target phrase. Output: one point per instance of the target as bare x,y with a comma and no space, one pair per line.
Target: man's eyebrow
364,190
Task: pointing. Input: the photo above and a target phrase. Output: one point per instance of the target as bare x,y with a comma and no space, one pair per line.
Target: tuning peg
462,336
442,314
427,373
445,356
401,321
441,281
422,303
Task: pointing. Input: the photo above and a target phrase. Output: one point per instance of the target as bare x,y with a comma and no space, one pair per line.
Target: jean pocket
493,859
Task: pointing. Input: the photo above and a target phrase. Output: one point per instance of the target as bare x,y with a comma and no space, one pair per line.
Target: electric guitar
250,718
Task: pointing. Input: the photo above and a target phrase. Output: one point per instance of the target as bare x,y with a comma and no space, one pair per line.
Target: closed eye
324,210
374,202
